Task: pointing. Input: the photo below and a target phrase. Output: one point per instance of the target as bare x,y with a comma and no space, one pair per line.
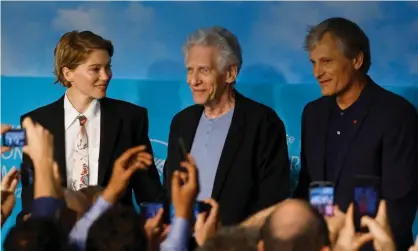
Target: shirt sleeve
78,235
178,237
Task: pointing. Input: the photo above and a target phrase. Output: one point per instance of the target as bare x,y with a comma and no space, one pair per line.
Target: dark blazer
123,125
253,171
384,144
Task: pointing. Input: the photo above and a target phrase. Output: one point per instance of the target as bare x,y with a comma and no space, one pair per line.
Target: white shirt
72,127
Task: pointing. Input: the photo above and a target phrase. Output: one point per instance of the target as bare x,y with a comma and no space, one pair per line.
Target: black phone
183,152
183,148
366,198
14,138
321,196
201,207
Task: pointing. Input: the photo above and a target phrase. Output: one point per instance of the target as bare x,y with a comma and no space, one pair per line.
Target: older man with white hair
239,144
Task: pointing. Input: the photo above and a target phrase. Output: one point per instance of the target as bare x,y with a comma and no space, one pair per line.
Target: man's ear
358,61
231,74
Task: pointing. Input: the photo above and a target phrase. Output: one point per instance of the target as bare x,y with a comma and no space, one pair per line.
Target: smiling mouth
324,82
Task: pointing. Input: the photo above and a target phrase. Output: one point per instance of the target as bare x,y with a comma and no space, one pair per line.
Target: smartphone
366,198
183,152
201,207
14,138
183,148
149,210
321,196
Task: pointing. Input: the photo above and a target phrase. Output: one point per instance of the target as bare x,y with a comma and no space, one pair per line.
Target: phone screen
14,138
150,210
366,198
322,198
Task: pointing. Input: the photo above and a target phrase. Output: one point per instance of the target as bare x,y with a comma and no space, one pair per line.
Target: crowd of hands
184,191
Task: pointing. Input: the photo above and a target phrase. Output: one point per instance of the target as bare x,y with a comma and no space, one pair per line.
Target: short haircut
35,234
221,38
73,49
119,228
352,38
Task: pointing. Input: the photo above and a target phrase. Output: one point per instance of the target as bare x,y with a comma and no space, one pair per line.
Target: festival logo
159,149
294,159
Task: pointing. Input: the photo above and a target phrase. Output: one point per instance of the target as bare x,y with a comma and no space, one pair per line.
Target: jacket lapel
109,131
365,101
321,136
231,145
188,131
58,130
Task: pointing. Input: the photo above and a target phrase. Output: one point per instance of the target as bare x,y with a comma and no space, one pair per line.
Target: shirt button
341,113
338,132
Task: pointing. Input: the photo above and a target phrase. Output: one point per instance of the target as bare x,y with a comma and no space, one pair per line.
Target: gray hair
352,38
221,38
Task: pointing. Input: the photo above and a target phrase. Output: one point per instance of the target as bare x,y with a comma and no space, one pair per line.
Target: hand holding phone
14,138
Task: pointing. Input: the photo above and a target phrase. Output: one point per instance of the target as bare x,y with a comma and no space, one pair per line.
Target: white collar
71,114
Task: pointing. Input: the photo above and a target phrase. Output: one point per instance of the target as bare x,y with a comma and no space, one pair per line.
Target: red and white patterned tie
80,173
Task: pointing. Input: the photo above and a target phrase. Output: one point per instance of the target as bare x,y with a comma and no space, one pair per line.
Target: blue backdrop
163,99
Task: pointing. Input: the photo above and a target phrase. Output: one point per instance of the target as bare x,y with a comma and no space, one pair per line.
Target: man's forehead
327,41
199,58
199,49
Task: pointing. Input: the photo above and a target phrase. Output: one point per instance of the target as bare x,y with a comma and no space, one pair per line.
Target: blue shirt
207,149
178,237
79,233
